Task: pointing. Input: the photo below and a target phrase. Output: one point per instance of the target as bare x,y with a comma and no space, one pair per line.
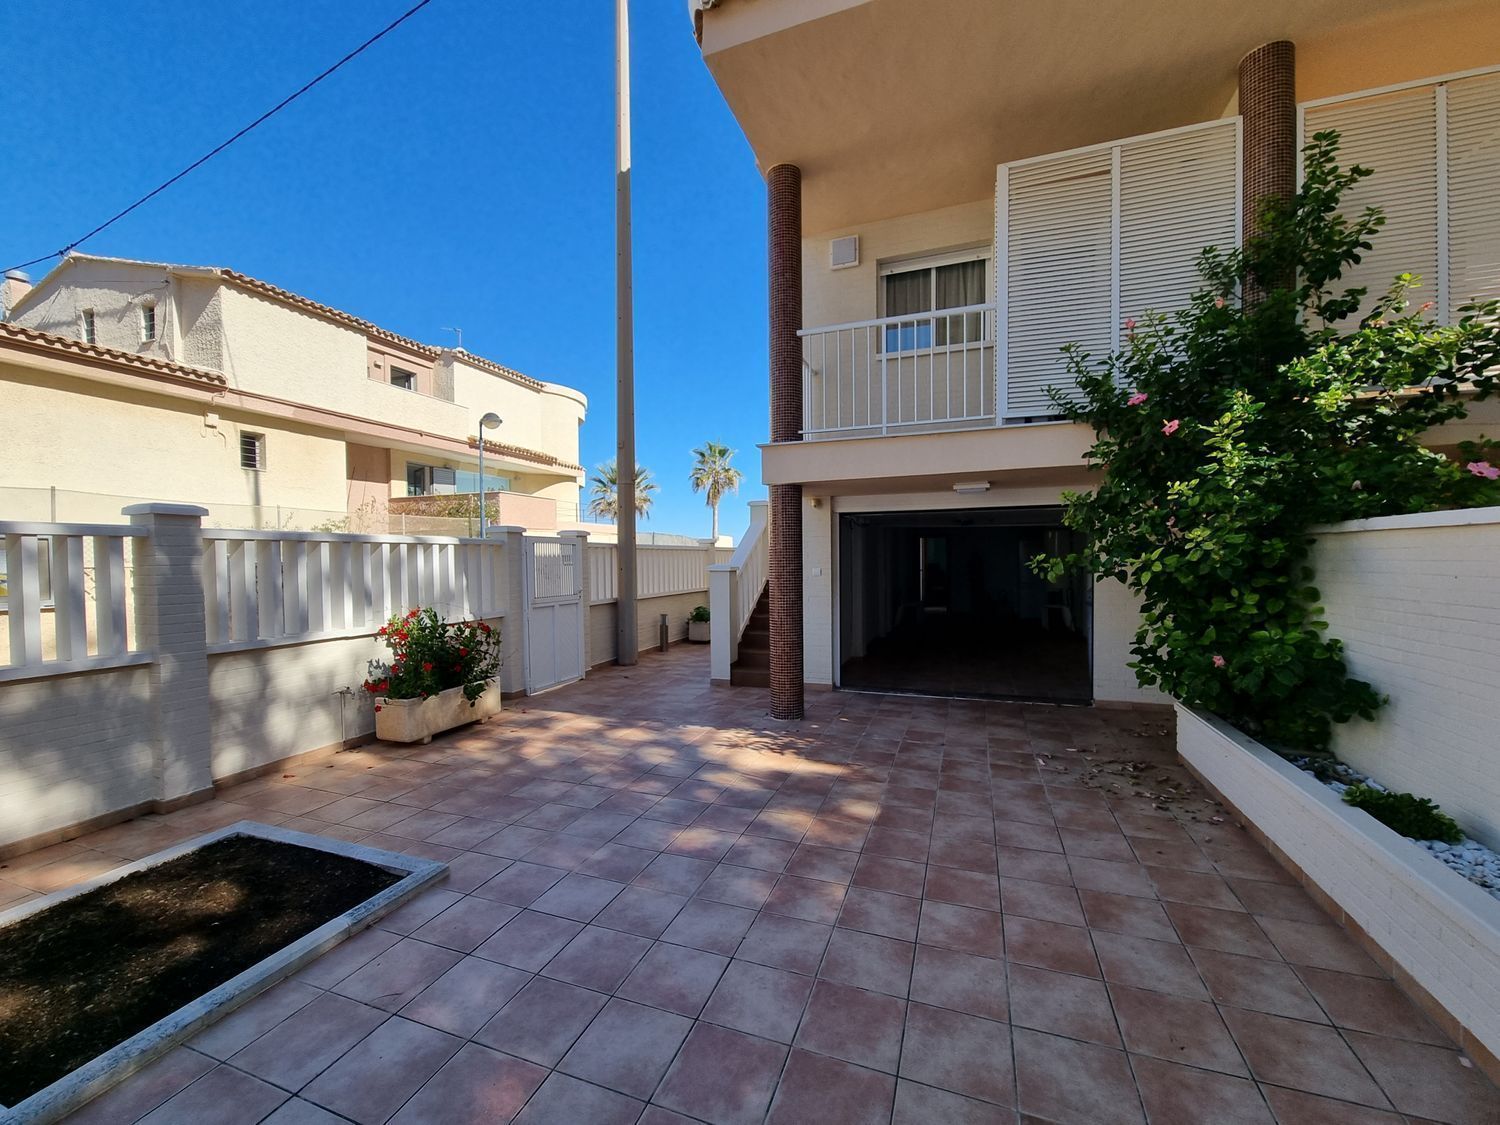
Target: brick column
1268,109
784,252
171,624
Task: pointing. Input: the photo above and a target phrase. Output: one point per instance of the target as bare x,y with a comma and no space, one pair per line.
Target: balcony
900,374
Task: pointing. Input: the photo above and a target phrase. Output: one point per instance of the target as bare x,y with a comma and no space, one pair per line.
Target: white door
554,612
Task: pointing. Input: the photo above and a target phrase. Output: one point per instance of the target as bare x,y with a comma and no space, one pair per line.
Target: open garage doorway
943,603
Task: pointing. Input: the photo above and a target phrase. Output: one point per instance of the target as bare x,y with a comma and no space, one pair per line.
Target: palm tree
712,474
604,501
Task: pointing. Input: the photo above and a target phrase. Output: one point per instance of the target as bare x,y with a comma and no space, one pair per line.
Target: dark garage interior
943,603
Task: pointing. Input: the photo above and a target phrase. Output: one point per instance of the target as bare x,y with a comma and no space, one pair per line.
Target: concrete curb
94,1077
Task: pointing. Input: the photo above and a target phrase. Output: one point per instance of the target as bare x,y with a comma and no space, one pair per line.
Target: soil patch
85,975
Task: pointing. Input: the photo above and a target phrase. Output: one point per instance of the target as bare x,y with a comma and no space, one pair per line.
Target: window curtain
959,285
908,293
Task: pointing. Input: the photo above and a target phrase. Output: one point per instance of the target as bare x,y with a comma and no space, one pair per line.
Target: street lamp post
490,421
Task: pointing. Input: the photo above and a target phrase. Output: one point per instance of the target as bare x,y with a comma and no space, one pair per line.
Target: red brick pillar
784,254
1268,110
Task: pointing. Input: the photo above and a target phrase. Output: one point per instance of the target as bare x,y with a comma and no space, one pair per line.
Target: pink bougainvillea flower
1136,399
1218,661
1130,324
1170,428
1484,469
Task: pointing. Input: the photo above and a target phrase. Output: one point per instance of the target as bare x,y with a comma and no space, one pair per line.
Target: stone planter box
417,720
1436,932
698,632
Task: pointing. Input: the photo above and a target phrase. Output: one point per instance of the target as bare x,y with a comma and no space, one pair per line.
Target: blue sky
460,172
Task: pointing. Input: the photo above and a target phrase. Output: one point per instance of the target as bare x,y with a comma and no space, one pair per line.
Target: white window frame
149,327
88,328
1439,83
259,445
932,261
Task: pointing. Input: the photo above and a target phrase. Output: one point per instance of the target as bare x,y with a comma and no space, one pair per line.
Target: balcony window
148,323
917,289
406,380
90,332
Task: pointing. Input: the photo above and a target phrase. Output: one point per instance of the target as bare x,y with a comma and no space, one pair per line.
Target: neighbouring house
144,380
958,190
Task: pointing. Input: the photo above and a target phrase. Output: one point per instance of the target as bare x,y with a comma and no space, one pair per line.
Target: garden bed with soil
96,980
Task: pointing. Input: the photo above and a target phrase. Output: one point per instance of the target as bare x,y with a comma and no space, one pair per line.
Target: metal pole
627,636
481,476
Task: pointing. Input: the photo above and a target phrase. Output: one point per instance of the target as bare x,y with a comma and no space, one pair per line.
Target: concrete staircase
753,668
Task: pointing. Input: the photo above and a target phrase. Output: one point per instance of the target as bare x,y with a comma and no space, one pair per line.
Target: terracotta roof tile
30,339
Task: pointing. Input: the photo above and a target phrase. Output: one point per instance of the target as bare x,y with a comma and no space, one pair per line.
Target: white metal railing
900,373
65,596
268,587
734,590
660,570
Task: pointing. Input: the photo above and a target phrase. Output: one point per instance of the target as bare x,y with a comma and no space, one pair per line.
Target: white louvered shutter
1394,135
1178,194
1057,257
1473,190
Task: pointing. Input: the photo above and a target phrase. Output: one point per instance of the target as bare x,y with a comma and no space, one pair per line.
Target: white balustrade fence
65,594
901,373
735,587
277,586
660,571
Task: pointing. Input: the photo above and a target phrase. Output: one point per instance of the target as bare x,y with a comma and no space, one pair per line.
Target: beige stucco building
146,380
957,190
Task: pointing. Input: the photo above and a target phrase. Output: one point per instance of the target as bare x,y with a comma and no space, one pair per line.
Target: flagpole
627,636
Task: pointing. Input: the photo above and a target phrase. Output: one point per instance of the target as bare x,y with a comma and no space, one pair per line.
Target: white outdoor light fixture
965,487
490,421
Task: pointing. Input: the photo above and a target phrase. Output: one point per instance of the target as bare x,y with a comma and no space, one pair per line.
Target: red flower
427,666
380,632
463,652
377,707
483,628
412,614
372,688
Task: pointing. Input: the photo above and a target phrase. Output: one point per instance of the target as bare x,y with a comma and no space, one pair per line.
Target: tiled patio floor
663,908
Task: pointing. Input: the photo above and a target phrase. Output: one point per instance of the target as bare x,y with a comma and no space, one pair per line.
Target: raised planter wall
1436,932
1416,601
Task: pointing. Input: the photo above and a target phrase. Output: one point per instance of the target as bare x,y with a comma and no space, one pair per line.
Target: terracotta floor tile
301,1046
1295,1107
1043,867
674,874
724,1077
715,927
880,912
815,1088
856,1026
616,861
810,899
967,888
1426,1081
1047,902
542,1021
1305,1056
738,886
343,959
702,843
1126,914
648,835
1176,1029
833,865
1049,945
895,876
1016,834
868,961
627,1048
1257,984
520,884
477,1084
762,1001
464,998
969,855
1107,843
598,958
1062,1004
925,1105
398,974
146,1089
674,979
223,1096
529,940
577,896
785,943
563,1100
1367,1004
244,1025
1062,1080
958,1052
1142,963
1199,888
1228,931
963,928
947,978
829,833
1181,1093
894,843
466,924
295,1111
1277,900
382,1071
1110,875
1318,946
640,911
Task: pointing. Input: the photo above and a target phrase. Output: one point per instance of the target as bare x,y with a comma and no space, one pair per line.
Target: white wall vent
843,252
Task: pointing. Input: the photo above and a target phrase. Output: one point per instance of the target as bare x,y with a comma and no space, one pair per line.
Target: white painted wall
1416,601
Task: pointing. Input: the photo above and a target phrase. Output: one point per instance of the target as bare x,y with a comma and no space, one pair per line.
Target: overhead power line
207,156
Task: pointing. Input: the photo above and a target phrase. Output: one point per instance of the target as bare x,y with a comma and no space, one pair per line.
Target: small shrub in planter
698,625
439,674
1416,818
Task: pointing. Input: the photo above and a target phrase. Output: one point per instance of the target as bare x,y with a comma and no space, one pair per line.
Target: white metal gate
553,570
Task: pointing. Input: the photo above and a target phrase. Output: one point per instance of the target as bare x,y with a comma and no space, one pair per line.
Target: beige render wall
832,296
602,617
1115,616
116,292
546,420
1415,601
87,437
